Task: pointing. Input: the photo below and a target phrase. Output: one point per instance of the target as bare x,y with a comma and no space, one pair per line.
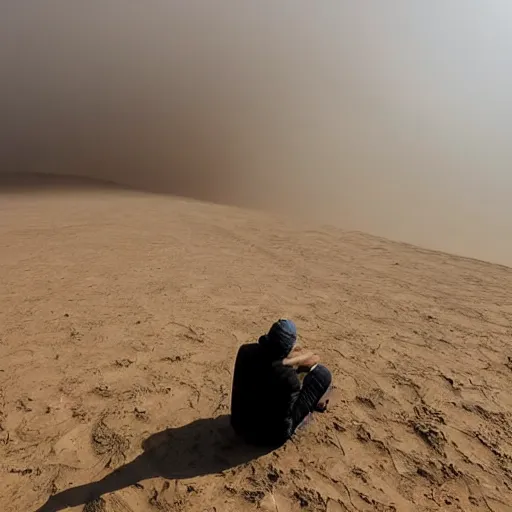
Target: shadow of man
203,447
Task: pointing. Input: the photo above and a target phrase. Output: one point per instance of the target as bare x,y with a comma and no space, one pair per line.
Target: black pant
316,383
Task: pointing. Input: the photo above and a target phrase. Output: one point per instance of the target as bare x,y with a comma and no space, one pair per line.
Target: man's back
263,394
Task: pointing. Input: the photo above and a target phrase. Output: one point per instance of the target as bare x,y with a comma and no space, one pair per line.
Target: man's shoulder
250,350
250,347
249,354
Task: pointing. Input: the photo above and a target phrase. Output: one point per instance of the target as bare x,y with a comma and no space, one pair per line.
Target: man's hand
303,359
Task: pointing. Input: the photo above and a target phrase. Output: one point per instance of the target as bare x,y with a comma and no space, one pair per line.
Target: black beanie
281,339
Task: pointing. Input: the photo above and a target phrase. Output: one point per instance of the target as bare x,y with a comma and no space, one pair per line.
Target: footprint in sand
74,449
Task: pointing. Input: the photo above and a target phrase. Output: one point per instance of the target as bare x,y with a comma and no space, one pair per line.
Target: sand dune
121,314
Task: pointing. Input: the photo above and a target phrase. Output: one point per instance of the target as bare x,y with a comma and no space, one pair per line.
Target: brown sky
388,117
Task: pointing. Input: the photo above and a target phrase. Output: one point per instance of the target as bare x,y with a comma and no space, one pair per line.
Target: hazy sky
392,117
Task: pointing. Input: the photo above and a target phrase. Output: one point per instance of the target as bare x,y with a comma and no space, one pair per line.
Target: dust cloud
387,117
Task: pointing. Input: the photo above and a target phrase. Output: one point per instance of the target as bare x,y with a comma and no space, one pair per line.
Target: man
268,401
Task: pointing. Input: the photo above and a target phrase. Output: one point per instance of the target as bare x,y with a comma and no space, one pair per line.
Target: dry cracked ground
121,314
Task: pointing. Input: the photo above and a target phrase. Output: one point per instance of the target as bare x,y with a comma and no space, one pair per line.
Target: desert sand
121,314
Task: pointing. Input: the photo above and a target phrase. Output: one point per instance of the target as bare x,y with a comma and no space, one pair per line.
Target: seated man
268,401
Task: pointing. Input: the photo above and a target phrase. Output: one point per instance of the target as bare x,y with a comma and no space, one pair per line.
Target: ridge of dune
23,182
121,314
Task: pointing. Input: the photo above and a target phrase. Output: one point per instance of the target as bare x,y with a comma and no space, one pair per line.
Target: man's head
281,339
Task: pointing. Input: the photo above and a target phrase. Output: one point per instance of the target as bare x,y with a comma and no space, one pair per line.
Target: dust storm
391,118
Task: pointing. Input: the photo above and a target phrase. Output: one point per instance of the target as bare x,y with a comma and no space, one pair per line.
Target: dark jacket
263,394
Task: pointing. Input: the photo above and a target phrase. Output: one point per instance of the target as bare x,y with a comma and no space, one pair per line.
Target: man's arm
305,359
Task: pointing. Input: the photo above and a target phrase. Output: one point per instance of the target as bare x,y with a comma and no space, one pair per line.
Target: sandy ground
121,314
